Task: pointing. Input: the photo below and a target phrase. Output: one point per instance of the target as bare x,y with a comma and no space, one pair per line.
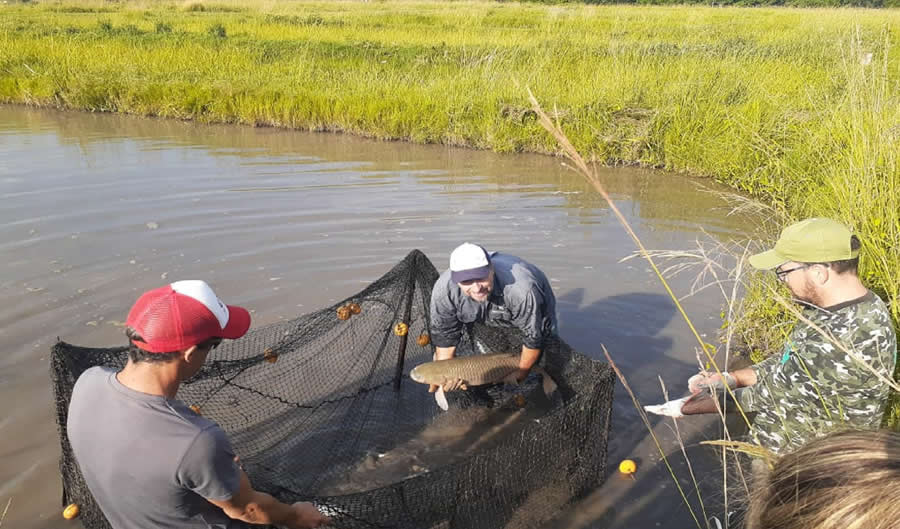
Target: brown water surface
98,208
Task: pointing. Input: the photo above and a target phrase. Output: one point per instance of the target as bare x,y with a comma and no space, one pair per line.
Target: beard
807,293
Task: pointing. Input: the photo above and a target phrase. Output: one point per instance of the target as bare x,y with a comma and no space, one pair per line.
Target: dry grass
3,516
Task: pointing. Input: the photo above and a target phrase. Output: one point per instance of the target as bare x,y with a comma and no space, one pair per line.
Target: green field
798,107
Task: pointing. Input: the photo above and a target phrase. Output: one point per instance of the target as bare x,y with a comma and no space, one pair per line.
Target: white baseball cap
469,261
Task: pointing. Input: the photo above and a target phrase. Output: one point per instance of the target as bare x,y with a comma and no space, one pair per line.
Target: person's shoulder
872,311
444,285
94,377
210,436
191,416
872,303
98,372
524,271
207,444
874,317
443,279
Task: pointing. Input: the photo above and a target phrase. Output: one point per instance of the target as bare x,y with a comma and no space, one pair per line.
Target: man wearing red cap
149,461
834,368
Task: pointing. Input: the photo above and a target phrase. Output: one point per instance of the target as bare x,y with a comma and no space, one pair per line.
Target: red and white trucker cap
182,314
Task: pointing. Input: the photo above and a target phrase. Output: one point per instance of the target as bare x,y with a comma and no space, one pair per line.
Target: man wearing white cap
814,385
494,289
149,460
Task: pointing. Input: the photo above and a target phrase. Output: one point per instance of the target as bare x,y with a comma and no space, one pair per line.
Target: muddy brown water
98,208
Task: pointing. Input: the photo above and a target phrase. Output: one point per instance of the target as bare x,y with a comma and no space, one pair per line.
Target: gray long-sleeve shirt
521,298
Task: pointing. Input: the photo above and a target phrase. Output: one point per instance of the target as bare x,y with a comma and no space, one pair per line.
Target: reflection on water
97,208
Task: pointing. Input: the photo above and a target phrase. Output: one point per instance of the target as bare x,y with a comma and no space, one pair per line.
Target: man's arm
527,359
444,326
251,506
700,401
528,316
209,468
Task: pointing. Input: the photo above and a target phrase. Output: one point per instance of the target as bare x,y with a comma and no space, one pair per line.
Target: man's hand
255,507
706,380
446,353
451,385
306,516
522,374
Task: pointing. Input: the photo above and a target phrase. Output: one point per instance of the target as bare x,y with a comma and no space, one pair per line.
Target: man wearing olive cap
495,289
811,386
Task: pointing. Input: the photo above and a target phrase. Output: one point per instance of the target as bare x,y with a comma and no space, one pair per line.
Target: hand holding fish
709,380
451,385
522,374
474,370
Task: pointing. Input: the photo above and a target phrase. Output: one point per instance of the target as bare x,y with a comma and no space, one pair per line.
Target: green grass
800,108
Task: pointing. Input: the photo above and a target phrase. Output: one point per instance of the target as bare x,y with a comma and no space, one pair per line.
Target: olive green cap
816,240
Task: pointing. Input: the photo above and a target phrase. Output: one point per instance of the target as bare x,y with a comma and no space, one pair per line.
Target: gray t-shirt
521,298
150,462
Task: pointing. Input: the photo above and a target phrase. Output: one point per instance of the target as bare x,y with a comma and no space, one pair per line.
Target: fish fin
441,399
548,383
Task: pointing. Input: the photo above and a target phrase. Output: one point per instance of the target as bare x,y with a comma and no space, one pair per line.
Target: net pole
407,310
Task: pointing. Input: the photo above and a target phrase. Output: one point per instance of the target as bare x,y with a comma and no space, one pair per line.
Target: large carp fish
474,370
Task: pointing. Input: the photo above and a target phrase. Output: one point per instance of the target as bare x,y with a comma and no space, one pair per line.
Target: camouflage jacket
814,386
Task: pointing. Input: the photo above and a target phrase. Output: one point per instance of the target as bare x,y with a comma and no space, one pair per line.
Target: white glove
706,380
671,408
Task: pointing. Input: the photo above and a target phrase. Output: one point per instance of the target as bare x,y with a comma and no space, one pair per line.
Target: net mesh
313,403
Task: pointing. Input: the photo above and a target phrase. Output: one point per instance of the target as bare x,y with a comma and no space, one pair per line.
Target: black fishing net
321,408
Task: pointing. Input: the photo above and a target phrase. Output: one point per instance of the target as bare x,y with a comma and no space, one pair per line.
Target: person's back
519,279
148,460
145,457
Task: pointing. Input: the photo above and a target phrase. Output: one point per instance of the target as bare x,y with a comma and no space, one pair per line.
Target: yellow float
627,467
71,511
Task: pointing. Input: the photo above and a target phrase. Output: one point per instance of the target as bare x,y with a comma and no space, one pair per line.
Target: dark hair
136,354
845,265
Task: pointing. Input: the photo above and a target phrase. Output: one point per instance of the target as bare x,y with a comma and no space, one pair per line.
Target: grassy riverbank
797,107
